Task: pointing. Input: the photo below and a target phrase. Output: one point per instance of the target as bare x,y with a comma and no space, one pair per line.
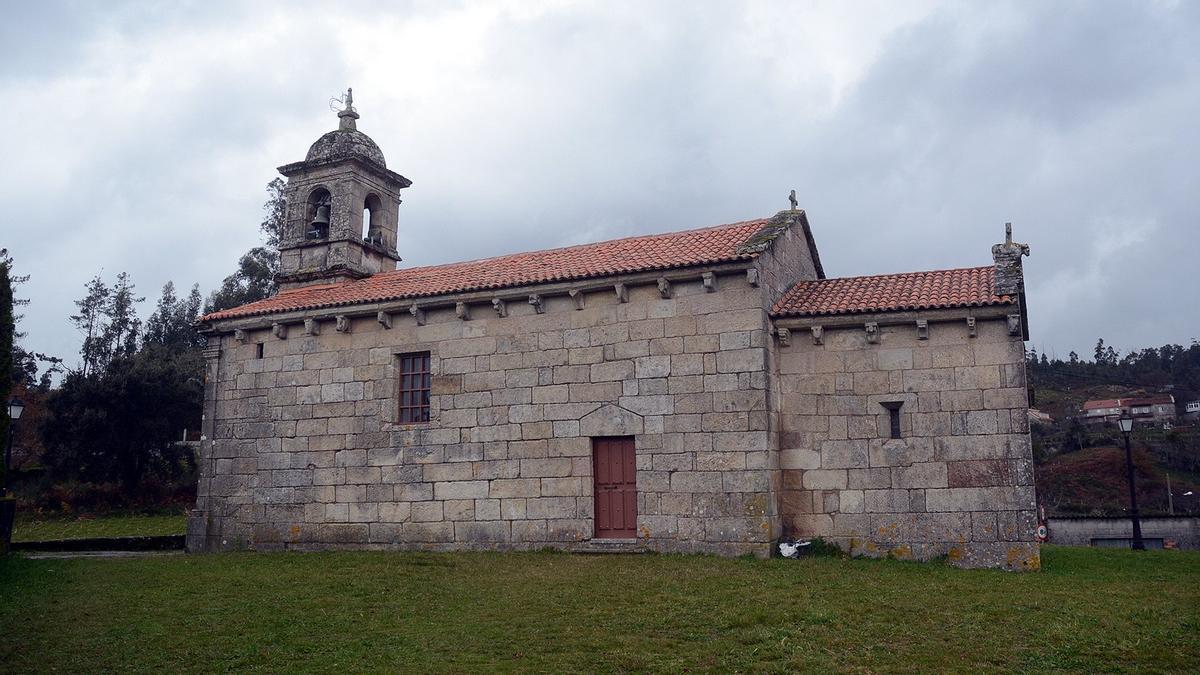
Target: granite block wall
959,480
303,449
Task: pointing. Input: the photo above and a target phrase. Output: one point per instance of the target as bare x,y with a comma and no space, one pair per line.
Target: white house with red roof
710,390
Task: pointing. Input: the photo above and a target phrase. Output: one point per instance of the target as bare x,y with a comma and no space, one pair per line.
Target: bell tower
342,209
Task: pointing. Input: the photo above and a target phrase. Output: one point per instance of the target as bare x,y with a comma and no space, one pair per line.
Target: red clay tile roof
634,254
969,287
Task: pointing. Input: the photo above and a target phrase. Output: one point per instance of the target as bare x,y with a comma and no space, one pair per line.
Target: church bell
320,223
322,217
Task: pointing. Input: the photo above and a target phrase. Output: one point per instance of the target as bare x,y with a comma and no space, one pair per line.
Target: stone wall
1182,531
958,483
303,449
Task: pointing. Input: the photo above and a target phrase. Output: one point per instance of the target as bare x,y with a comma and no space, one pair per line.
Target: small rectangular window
258,350
893,408
414,388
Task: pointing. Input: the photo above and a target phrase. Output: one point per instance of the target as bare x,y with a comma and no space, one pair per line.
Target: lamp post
15,408
1126,424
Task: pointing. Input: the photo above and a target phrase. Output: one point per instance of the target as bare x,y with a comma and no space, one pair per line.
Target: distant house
1192,410
1153,409
1103,410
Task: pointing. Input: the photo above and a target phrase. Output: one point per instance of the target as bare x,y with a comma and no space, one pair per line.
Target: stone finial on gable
1009,275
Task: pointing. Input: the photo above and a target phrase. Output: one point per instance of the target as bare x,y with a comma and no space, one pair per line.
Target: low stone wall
1183,530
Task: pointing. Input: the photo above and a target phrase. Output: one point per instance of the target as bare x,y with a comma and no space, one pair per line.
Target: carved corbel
384,319
622,292
922,329
785,336
709,280
577,296
872,329
500,307
664,287
418,314
536,301
311,327
818,335
279,330
462,311
1014,324
341,323
971,331
752,276
240,336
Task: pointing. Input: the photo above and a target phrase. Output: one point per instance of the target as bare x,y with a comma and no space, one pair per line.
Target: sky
141,137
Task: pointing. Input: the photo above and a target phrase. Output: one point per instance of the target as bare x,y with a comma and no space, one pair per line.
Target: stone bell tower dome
342,209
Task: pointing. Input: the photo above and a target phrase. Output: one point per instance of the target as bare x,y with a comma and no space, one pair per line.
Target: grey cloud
1074,120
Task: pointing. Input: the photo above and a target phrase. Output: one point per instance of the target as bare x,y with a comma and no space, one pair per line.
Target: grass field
34,527
1088,610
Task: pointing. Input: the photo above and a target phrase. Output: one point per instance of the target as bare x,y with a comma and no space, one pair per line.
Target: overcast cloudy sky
139,137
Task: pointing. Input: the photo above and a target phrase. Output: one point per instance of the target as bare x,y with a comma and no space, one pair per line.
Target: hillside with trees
1081,467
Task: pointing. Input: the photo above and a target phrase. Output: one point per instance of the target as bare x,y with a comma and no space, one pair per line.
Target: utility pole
1170,497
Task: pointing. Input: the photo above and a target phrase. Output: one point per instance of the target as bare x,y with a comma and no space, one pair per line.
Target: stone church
709,390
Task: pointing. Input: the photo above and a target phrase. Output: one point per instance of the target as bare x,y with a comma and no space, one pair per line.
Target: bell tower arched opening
372,215
317,215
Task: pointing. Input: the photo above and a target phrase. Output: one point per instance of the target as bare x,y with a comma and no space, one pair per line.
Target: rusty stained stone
979,473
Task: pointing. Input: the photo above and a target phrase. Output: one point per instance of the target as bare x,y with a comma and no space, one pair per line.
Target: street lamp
15,408
1126,424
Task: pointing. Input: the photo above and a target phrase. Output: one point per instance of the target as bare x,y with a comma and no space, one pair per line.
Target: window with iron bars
414,388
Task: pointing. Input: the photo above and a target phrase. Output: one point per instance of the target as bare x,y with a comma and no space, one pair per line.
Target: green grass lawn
35,527
1088,610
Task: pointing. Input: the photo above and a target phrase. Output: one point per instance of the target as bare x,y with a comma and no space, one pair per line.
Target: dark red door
615,466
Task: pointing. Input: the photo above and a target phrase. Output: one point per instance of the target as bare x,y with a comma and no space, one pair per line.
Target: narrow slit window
258,350
893,408
414,388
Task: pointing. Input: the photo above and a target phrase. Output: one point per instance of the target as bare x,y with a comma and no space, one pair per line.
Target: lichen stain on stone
955,554
756,505
1018,558
900,552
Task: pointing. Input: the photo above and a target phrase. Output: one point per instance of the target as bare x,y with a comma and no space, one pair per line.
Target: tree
25,366
254,280
91,322
124,422
172,325
8,327
121,333
255,276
